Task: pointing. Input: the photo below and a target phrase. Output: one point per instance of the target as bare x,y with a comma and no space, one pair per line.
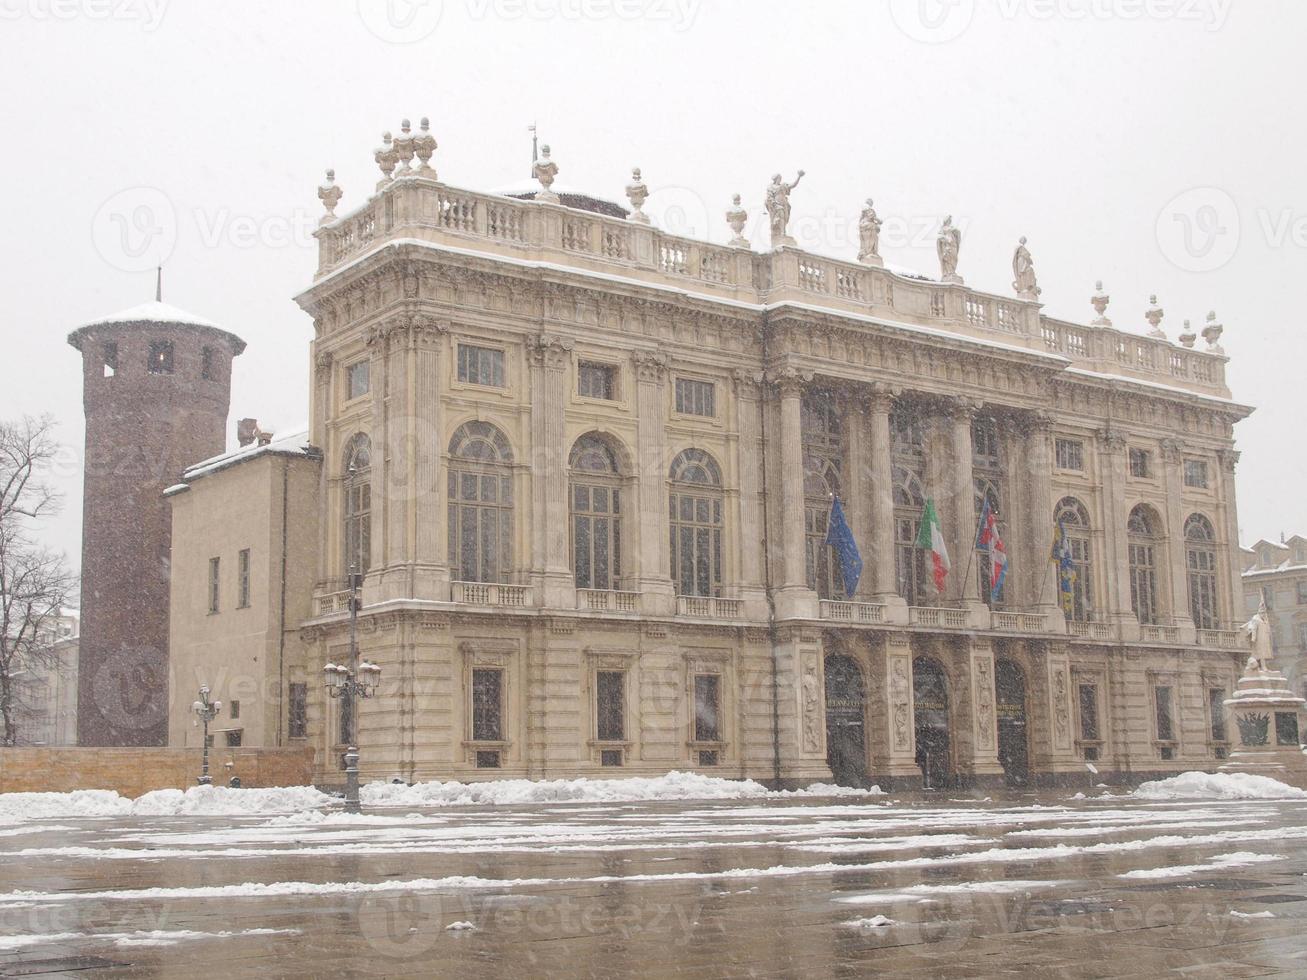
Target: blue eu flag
840,537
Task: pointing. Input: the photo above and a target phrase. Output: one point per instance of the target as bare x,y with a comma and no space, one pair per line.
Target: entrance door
1013,745
930,714
846,740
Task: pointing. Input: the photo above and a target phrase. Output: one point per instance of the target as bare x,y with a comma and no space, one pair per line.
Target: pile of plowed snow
196,801
1218,786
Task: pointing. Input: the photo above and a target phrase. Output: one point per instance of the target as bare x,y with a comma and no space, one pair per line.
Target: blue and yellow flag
840,537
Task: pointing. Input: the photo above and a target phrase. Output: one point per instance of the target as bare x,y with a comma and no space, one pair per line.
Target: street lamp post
205,711
357,680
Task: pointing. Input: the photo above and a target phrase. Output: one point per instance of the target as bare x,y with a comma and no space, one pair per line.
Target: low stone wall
133,771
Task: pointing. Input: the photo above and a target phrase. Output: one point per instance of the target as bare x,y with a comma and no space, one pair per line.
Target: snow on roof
1282,567
294,443
153,312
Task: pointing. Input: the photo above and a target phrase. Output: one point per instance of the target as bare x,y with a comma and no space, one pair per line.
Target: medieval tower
156,389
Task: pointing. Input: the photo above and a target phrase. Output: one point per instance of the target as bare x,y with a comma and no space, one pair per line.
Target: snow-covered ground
681,856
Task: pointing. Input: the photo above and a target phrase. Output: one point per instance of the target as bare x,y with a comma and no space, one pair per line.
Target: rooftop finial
158,283
535,148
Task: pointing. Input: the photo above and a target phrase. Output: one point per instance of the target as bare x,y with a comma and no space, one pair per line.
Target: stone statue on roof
947,244
778,208
1023,272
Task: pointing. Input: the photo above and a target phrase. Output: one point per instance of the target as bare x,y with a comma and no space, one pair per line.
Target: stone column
1232,601
983,767
1114,558
899,761
1061,737
794,598
963,511
1039,515
378,341
397,453
880,559
550,573
431,565
329,485
1177,575
658,595
857,505
748,408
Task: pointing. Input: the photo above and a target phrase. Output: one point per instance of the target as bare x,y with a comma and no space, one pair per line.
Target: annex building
586,468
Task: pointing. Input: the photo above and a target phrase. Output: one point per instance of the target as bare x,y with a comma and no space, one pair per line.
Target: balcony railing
425,210
852,612
1019,622
333,602
491,594
1159,634
937,616
1089,631
1221,639
709,607
607,600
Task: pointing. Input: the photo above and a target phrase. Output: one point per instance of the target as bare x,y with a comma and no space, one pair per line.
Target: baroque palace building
585,468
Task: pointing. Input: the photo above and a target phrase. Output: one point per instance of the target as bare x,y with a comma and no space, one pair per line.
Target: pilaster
900,751
794,599
654,568
983,766
1177,577
1039,511
1114,600
748,408
883,576
550,568
430,516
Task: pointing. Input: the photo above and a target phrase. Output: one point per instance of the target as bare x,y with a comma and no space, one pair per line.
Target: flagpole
1044,581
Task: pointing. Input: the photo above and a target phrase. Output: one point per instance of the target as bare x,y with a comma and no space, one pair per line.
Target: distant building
1277,572
46,685
156,382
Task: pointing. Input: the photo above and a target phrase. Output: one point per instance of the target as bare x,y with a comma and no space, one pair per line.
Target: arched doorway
846,738
1013,744
930,715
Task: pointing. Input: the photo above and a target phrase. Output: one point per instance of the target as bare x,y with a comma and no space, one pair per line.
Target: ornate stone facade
601,461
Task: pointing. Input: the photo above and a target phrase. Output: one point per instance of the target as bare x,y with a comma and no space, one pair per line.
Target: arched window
821,484
909,560
695,508
986,490
596,514
1200,564
1074,518
1142,539
480,504
358,505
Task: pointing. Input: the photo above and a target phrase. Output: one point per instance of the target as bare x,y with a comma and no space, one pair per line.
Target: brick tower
156,388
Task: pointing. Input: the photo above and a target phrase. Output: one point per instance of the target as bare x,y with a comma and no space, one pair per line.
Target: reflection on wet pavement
919,886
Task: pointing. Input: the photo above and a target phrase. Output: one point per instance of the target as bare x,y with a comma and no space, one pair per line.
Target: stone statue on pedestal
778,208
1258,631
545,170
1023,272
947,244
869,236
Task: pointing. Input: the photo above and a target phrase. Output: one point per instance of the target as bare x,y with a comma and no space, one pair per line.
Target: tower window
208,364
110,355
243,578
160,357
214,580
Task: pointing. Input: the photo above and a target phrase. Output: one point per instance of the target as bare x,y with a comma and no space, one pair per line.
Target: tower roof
153,312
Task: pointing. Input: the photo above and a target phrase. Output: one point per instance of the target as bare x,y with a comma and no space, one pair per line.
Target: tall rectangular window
234,707
1070,454
214,573
610,704
298,711
1216,710
487,704
696,397
1141,464
1301,587
1162,703
596,381
160,361
707,707
1195,473
243,578
110,355
481,365
357,379
1089,731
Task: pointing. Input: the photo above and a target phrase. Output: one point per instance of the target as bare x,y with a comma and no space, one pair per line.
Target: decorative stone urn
1267,715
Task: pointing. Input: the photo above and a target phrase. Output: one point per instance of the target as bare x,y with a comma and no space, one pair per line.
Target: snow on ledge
1218,786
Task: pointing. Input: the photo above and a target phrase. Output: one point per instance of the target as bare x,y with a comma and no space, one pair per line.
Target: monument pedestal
1266,716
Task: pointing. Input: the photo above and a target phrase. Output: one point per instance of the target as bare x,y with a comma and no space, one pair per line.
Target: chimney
247,430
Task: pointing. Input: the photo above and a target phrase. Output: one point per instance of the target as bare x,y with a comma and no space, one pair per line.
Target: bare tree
35,582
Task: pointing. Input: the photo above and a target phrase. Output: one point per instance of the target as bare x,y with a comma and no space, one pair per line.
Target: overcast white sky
1078,123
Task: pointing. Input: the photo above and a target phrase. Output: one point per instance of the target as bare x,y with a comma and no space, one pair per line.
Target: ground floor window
298,712
610,704
487,705
1162,706
707,707
1216,709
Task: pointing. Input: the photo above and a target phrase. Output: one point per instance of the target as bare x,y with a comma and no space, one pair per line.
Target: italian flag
931,538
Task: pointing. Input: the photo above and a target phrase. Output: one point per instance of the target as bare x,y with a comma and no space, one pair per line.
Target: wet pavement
923,886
